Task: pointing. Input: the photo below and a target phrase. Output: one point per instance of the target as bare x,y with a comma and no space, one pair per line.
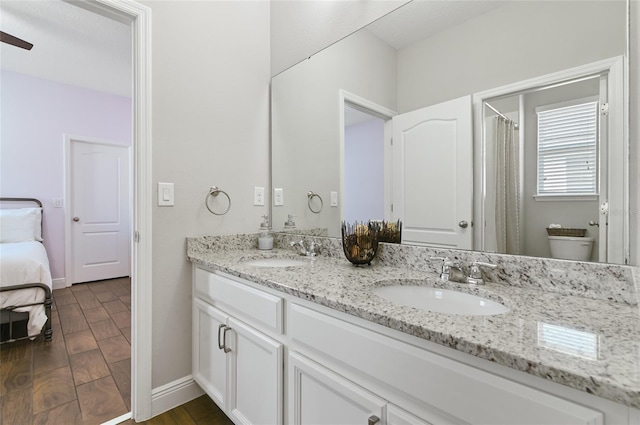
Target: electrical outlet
334,199
278,196
258,195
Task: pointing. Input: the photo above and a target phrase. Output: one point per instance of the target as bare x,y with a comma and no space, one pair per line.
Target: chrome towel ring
215,191
310,196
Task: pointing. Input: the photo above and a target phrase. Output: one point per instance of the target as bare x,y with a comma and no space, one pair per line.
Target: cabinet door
398,416
321,397
256,375
209,362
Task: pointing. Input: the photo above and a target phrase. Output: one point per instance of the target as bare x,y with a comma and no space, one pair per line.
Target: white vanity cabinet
238,366
344,370
441,390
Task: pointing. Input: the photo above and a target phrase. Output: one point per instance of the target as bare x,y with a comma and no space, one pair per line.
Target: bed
25,276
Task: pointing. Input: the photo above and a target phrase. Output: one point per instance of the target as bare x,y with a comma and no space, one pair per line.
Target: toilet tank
571,248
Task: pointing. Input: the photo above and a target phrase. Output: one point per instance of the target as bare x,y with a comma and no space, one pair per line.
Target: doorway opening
574,187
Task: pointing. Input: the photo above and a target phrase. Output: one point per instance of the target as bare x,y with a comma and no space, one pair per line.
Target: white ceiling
421,19
70,45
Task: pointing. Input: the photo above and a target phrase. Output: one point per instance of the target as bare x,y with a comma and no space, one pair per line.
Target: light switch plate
334,199
278,196
258,195
165,195
57,202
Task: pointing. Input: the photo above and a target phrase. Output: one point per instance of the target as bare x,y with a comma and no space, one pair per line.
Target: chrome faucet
448,271
312,251
454,272
475,272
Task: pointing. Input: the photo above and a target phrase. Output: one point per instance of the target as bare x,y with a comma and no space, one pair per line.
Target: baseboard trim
174,394
59,283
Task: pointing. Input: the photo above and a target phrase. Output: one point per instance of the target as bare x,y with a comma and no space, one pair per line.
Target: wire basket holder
213,192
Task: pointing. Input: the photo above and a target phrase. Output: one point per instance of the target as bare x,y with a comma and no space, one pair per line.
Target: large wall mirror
349,125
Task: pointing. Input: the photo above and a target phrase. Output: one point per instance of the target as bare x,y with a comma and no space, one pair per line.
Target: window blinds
567,150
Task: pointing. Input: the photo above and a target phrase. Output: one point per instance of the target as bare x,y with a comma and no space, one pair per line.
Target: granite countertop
588,344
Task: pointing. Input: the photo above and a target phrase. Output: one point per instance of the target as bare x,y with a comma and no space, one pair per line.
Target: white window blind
567,150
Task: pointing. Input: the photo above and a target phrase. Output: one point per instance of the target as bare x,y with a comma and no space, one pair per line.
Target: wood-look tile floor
201,411
83,376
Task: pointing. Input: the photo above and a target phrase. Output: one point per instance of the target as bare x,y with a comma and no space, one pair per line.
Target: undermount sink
440,300
275,262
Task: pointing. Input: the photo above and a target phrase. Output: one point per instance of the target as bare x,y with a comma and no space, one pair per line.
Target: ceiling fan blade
15,41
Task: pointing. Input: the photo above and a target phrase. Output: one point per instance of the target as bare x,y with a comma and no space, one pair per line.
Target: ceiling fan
14,41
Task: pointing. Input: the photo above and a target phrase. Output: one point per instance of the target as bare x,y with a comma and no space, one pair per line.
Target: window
567,149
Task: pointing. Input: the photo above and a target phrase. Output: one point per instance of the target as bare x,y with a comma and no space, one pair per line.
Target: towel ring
310,196
215,191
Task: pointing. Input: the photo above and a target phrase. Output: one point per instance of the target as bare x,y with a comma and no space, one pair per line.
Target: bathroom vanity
309,342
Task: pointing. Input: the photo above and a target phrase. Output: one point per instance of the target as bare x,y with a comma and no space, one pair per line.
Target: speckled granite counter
538,336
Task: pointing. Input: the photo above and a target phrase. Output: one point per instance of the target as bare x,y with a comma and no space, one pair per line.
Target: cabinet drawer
239,299
467,393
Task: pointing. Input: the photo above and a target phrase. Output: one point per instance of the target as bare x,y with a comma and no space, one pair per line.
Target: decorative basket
360,242
562,231
390,231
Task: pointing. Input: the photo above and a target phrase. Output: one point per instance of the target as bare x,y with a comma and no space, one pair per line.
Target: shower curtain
507,187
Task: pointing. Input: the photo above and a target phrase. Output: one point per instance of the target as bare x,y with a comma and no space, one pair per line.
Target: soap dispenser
290,224
265,239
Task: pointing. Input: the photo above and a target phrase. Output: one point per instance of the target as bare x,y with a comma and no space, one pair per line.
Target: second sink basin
440,300
275,262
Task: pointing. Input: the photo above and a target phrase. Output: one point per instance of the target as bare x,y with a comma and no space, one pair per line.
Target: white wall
515,42
306,155
300,29
210,100
364,171
36,114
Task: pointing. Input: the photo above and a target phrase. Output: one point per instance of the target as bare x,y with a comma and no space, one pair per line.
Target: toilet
571,248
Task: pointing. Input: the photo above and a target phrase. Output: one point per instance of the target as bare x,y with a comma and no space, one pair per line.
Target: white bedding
20,263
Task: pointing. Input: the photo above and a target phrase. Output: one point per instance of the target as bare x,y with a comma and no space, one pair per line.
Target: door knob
76,218
594,223
463,224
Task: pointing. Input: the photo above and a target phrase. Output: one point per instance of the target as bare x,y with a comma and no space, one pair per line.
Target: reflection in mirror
532,185
491,47
363,166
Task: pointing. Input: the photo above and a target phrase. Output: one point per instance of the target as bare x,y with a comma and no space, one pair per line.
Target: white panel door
432,189
209,362
319,396
256,373
100,211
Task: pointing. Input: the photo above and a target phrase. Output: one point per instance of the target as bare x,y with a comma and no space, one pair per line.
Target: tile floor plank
104,329
48,357
121,372
17,408
88,366
100,401
79,342
65,414
16,375
52,389
115,349
97,314
114,307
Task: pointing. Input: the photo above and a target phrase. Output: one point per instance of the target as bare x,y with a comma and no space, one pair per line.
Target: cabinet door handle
224,339
373,420
220,344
